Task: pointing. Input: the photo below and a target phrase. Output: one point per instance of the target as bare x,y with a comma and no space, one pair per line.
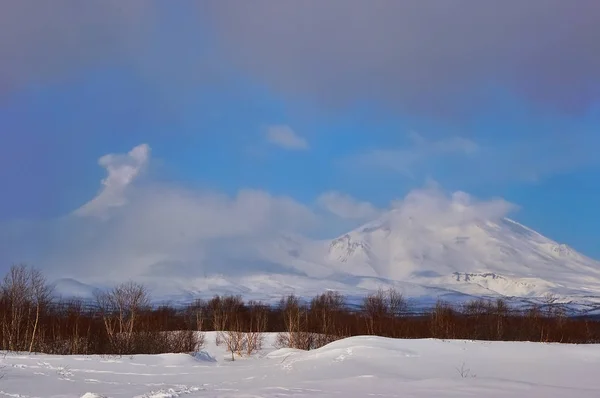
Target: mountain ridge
399,248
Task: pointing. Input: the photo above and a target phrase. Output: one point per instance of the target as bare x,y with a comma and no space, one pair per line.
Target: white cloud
285,137
431,207
406,160
159,230
345,206
429,69
129,230
122,171
198,231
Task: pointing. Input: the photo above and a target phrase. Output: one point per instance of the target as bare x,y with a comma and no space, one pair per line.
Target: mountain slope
423,255
502,256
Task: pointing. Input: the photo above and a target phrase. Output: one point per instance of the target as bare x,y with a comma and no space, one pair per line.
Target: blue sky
270,99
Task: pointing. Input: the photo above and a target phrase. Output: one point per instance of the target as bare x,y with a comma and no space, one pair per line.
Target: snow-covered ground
354,367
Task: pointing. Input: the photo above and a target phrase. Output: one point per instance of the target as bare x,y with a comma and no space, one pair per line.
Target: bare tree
326,309
375,308
258,314
25,294
549,300
120,308
16,291
442,320
41,294
74,312
222,311
397,304
108,311
196,313
295,318
234,338
132,298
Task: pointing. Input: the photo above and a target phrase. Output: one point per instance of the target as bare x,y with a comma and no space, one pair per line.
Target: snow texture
353,367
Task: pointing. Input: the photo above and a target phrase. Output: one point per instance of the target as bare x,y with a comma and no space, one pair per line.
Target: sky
132,133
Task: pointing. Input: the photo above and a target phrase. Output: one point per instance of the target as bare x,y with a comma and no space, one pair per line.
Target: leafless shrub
235,342
200,340
465,372
258,318
235,338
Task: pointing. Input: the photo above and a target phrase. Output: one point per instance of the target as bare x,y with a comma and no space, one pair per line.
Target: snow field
353,367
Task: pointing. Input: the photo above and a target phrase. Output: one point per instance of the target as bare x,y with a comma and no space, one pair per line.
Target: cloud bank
431,207
132,229
41,41
165,230
438,58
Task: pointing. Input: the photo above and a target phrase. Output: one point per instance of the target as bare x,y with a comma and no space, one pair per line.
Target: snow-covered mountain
456,258
473,257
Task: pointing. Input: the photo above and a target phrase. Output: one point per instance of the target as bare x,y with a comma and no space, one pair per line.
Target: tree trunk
37,318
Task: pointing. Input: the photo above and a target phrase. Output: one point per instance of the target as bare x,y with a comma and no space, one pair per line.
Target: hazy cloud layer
132,229
42,40
431,207
409,160
286,138
150,229
347,207
62,40
436,58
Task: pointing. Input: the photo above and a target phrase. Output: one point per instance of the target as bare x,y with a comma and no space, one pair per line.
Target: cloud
157,230
46,40
198,230
131,230
434,59
345,206
431,207
122,171
64,40
410,159
432,233
285,137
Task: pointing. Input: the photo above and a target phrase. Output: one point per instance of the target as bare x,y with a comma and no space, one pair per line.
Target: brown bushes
243,332
383,311
122,321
